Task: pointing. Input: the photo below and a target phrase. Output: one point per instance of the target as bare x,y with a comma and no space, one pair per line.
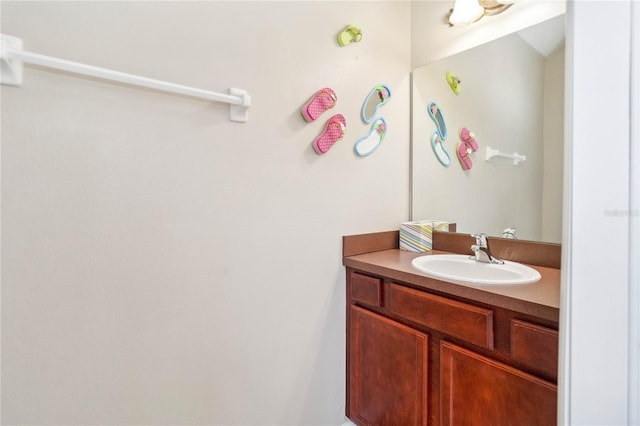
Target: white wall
595,316
163,265
634,223
501,101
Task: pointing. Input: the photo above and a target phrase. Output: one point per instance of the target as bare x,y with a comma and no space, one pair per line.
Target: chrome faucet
481,250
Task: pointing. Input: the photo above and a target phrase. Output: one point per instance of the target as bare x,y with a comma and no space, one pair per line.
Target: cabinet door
476,390
388,371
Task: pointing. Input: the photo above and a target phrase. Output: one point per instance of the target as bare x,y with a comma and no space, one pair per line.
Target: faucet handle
509,232
481,239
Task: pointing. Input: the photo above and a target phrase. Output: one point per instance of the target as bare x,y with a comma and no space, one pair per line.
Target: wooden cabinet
389,371
476,390
418,357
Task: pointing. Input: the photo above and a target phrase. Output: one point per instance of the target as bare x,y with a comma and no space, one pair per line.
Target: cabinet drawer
457,319
535,345
476,390
365,289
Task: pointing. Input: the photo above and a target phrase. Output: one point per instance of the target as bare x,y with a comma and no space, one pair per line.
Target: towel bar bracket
10,69
239,113
12,58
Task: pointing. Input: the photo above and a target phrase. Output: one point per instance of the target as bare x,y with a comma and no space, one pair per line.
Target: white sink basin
460,269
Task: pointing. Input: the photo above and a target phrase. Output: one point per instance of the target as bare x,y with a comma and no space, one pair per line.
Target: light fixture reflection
465,12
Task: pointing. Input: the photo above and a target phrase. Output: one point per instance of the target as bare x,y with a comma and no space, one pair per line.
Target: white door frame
599,310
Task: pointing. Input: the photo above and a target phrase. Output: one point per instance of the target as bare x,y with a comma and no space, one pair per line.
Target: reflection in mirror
454,82
378,96
436,115
438,149
513,100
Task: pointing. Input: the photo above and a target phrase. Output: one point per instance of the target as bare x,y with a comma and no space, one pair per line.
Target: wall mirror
511,96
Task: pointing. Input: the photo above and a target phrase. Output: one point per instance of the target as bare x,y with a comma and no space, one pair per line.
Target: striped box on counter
418,235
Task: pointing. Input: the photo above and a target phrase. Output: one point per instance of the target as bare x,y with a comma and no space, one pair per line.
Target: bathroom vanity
426,352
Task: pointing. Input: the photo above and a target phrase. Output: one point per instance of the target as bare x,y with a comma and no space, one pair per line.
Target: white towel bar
517,158
13,56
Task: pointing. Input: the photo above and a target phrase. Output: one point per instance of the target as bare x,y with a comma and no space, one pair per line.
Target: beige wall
163,265
553,137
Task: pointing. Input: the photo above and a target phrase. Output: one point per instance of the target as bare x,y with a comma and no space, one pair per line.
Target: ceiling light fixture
466,12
